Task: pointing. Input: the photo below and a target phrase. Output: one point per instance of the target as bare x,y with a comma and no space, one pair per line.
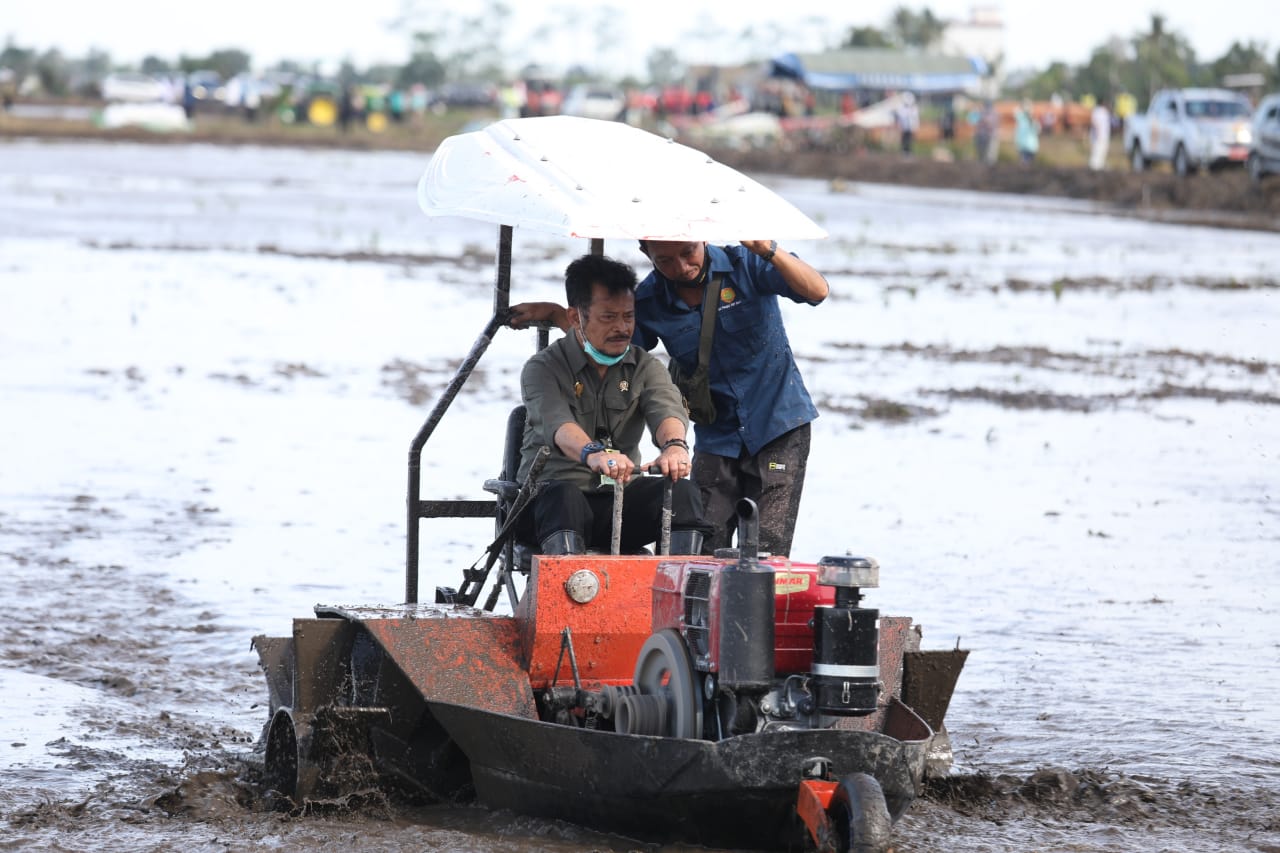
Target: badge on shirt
577,389
623,386
727,295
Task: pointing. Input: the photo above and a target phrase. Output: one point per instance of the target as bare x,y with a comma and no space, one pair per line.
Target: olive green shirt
561,384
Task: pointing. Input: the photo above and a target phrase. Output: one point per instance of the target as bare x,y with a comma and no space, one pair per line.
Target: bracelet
773,250
589,448
676,442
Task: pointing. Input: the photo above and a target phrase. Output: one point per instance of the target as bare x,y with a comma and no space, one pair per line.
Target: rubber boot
564,542
686,542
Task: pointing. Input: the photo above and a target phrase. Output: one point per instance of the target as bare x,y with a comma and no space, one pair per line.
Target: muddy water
1056,430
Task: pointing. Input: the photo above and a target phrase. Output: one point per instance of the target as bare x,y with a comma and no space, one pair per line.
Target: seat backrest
515,439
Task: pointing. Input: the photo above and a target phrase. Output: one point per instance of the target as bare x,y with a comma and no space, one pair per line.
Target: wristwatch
589,448
773,250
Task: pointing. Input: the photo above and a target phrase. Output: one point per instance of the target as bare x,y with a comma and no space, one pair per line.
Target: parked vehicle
1264,148
464,94
133,87
599,102
205,92
1191,129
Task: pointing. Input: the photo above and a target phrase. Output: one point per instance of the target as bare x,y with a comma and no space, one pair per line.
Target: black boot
565,542
685,542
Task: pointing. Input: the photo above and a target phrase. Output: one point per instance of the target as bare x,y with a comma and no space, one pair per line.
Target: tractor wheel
290,772
1182,163
859,817
1137,161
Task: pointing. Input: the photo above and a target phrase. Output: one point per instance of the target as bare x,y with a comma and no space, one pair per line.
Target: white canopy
581,177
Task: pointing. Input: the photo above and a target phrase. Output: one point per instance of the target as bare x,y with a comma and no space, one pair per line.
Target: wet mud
141,767
471,259
1073,512
1220,199
1168,374
1117,812
159,775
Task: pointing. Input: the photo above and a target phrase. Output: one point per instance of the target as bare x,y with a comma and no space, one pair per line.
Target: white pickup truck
1190,128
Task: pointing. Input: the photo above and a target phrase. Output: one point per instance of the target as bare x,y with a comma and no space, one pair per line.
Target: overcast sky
611,36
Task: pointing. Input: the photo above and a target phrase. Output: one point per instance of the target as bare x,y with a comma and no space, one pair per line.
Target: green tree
1103,75
424,65
664,66
1058,78
915,29
155,65
21,60
227,62
53,72
867,37
476,43
96,63
1162,59
1248,58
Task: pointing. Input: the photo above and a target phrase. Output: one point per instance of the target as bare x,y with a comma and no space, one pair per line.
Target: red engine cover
797,594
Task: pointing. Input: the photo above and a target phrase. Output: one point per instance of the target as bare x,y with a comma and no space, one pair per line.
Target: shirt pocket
744,324
616,411
616,401
682,337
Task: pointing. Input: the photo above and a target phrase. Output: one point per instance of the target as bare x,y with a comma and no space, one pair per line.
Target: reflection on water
1054,429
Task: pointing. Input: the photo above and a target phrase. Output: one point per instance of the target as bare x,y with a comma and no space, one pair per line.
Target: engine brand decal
785,583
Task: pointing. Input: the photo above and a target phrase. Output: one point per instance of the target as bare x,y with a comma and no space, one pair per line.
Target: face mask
599,357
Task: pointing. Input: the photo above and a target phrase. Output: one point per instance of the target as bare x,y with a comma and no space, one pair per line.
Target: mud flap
928,682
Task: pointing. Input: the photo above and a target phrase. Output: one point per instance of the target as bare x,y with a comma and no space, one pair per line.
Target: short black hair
615,276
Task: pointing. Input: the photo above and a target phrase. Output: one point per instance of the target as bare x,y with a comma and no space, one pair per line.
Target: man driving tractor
590,396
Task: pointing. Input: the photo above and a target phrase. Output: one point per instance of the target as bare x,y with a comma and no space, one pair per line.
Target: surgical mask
599,357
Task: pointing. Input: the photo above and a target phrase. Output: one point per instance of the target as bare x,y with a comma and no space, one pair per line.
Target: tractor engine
773,644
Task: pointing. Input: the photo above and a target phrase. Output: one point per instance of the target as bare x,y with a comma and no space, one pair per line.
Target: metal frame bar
414,504
418,508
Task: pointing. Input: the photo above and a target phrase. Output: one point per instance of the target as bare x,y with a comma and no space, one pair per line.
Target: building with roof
863,69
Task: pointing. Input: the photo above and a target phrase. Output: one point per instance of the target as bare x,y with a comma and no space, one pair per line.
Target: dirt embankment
1226,198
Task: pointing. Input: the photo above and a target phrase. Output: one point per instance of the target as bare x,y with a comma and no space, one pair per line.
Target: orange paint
812,801
607,631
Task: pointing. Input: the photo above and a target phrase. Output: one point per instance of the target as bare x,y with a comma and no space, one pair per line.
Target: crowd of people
1023,124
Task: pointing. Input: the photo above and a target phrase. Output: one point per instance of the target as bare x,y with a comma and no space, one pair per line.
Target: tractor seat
505,488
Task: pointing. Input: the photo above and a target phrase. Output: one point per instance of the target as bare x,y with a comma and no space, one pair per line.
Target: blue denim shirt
755,383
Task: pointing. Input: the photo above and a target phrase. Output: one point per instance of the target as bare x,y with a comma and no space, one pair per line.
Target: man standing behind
1100,135
589,396
758,445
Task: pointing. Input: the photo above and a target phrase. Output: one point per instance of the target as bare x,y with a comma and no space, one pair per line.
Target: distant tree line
1149,61
445,46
